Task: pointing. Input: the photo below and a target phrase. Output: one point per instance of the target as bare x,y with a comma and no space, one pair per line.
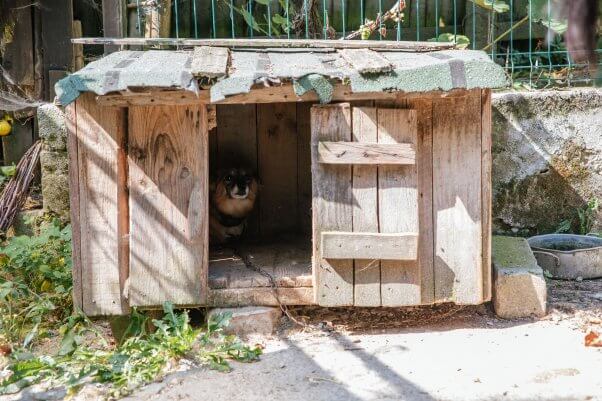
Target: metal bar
380,21
437,18
196,27
269,19
232,19
343,17
288,21
213,18
175,5
325,20
306,19
418,19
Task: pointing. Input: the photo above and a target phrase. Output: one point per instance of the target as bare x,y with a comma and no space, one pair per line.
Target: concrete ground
449,354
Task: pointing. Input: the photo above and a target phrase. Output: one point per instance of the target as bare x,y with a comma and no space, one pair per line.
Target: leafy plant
461,41
141,358
35,284
584,220
497,6
6,172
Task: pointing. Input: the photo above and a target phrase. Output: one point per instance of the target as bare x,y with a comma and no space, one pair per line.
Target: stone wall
54,160
547,158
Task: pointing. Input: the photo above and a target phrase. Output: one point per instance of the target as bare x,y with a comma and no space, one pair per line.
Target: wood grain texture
366,153
74,190
100,132
457,201
332,205
398,207
363,245
424,165
259,94
235,145
263,296
114,19
366,61
365,209
168,175
277,158
210,62
486,166
304,167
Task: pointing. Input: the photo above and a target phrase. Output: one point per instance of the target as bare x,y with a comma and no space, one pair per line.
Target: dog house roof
235,71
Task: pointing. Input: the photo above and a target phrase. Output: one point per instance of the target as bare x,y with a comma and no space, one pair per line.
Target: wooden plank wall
458,199
168,171
95,138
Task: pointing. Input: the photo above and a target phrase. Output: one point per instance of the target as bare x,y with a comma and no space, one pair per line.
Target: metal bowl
568,256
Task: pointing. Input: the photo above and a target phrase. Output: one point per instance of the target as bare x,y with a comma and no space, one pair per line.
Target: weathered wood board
366,153
366,61
486,175
95,151
457,199
332,205
304,167
210,62
365,210
398,208
168,176
364,245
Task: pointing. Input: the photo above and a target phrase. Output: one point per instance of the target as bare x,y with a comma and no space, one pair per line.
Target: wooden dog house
380,196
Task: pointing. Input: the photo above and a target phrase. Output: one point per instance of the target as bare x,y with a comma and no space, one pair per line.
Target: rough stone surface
519,287
547,158
250,319
54,160
52,128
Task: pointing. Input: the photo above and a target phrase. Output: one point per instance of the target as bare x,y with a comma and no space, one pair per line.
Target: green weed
584,220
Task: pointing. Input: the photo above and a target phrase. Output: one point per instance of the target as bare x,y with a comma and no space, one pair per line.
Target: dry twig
369,27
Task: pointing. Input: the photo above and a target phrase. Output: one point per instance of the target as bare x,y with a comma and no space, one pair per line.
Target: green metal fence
514,32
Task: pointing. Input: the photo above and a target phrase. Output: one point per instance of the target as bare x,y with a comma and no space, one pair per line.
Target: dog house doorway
272,140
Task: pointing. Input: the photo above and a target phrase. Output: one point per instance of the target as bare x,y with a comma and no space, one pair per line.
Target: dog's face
238,183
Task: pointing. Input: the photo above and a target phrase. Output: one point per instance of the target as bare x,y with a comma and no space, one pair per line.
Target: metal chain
245,257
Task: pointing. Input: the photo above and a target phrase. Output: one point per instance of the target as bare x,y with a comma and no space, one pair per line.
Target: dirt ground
436,353
444,352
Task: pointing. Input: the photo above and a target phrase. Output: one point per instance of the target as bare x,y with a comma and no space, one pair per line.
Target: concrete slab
519,287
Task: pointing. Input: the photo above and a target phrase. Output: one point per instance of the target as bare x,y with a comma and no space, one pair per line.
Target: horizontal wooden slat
366,61
350,245
366,153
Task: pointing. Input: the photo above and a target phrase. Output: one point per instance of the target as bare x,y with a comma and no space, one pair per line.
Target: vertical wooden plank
332,205
74,209
486,165
277,160
168,176
398,208
457,200
56,20
424,165
114,21
365,209
123,219
99,135
304,167
236,144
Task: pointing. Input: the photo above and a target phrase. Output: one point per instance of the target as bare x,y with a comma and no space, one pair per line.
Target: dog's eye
228,178
248,180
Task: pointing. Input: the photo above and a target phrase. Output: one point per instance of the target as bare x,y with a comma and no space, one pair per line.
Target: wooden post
114,21
158,20
56,18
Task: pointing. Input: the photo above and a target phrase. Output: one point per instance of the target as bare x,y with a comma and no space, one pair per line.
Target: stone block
519,287
250,319
52,127
55,182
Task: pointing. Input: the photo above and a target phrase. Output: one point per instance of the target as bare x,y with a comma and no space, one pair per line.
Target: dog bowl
568,256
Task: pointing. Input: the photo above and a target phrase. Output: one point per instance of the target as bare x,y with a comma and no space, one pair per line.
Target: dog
232,197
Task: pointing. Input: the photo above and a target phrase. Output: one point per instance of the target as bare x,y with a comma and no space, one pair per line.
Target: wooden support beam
271,43
354,245
114,21
273,94
366,153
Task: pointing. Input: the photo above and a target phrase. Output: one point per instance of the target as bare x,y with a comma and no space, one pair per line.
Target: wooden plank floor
231,283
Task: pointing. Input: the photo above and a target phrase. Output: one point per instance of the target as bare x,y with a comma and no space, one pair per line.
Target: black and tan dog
233,196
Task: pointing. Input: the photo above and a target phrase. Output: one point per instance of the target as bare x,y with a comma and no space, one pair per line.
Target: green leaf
461,41
497,6
541,13
8,171
264,2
